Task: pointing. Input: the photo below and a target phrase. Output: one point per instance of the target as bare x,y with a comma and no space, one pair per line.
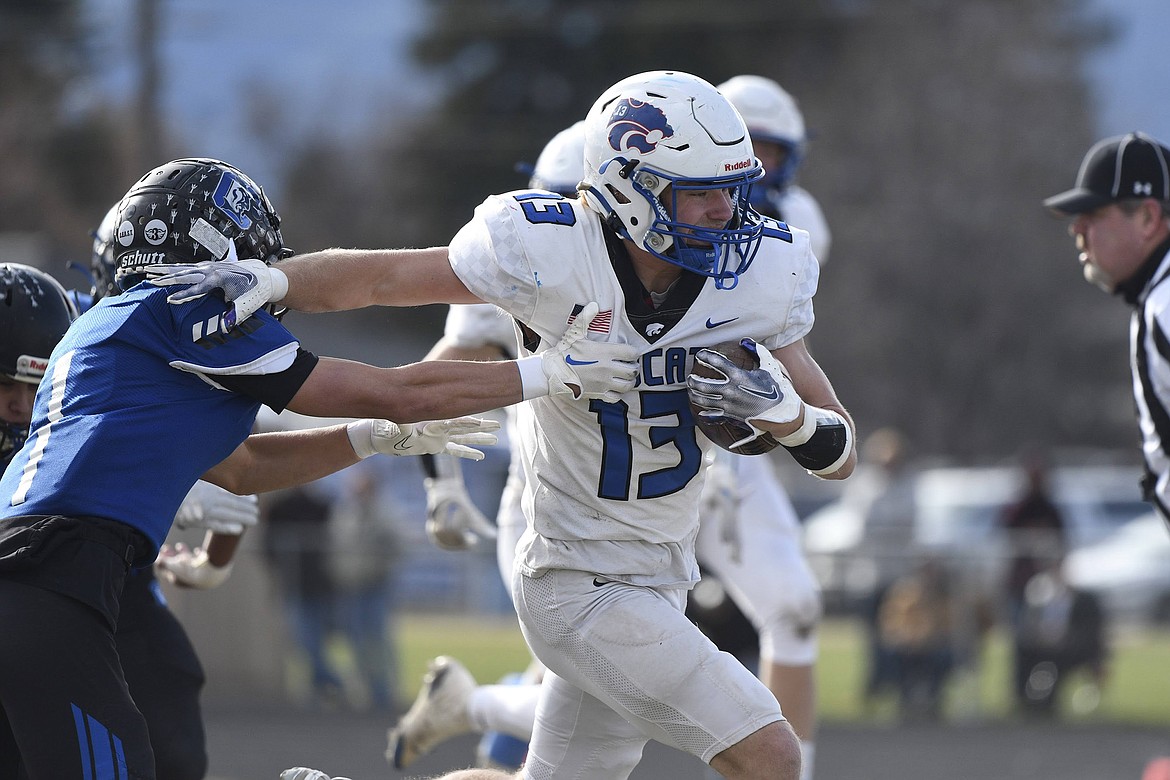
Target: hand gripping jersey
130,414
613,488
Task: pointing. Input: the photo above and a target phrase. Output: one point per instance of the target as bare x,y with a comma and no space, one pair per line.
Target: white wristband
279,280
802,434
533,381
361,437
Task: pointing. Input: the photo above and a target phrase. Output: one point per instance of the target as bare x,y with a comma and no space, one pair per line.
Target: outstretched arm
281,459
328,280
434,389
342,279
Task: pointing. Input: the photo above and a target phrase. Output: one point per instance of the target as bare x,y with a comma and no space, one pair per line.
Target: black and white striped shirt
1150,360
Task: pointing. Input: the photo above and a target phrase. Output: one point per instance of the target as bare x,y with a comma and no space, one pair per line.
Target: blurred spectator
916,625
1035,531
882,490
295,547
364,546
1060,629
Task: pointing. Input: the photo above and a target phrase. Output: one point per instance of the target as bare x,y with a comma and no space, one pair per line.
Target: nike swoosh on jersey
711,324
598,583
569,359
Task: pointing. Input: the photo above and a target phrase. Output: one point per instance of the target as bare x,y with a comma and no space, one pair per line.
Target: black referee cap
1123,167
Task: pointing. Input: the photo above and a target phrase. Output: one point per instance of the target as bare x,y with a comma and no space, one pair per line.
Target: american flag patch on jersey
601,323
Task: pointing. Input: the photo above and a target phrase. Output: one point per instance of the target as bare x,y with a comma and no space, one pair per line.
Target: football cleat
438,714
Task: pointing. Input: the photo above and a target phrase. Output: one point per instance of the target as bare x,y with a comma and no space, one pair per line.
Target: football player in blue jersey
664,241
162,670
140,399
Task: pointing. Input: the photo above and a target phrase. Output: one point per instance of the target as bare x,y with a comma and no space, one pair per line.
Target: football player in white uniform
666,245
776,126
749,537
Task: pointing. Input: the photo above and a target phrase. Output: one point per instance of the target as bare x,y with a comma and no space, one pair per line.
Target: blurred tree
62,165
952,308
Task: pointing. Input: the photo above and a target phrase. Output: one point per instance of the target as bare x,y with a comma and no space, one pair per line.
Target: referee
1120,209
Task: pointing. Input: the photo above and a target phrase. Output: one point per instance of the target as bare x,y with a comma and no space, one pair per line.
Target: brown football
724,434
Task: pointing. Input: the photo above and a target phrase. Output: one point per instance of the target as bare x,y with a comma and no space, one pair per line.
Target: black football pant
165,679
64,700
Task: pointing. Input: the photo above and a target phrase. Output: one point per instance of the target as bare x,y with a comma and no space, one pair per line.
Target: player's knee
771,753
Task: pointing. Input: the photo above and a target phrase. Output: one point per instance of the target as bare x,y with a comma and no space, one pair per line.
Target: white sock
510,709
808,751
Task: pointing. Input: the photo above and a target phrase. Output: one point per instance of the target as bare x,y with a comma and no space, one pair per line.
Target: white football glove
246,284
188,568
719,502
589,369
210,506
454,522
305,773
447,437
763,394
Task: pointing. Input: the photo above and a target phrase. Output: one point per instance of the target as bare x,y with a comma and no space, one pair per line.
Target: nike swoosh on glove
246,284
448,437
745,395
589,369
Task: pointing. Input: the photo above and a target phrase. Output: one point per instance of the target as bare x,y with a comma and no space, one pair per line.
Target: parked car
1129,570
957,514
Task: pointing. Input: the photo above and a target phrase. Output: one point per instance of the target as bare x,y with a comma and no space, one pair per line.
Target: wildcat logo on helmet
635,124
235,198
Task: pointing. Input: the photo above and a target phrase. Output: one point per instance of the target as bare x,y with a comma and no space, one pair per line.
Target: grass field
1137,690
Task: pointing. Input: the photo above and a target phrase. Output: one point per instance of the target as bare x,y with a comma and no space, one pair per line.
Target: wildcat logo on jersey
635,124
237,200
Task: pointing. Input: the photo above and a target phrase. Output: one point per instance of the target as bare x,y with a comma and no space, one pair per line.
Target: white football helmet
561,163
668,128
771,114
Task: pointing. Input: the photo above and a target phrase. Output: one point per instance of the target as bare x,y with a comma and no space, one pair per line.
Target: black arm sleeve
273,390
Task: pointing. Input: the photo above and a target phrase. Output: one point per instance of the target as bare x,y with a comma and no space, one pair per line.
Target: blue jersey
132,411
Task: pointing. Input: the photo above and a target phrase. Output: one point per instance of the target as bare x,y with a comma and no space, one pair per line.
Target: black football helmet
102,268
35,312
188,211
